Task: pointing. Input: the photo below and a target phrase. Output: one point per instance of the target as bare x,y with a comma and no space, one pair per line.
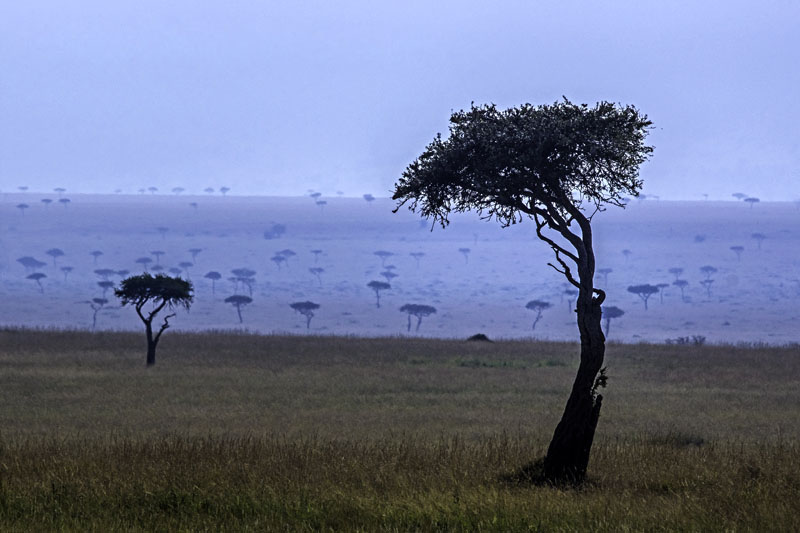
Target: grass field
242,432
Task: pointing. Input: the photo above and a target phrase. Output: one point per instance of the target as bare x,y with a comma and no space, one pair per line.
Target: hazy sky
272,97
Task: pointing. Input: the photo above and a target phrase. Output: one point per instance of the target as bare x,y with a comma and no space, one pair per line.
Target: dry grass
240,432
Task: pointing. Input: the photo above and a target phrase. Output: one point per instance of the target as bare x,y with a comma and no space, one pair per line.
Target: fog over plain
274,98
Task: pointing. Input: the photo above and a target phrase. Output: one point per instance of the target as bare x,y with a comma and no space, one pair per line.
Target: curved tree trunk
151,345
568,453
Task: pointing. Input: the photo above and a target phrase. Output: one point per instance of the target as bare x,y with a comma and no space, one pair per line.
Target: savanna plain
242,432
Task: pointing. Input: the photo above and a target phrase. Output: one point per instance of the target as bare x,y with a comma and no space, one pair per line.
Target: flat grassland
242,432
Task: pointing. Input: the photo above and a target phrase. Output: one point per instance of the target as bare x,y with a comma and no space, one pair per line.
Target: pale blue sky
280,97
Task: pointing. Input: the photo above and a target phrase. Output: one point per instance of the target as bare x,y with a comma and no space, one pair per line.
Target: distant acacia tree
389,275
245,277
214,277
105,285
158,254
759,238
369,198
383,255
162,230
738,251
209,190
46,202
681,284
278,259
185,266
739,195
306,309
275,231
95,255
31,264
418,310
627,253
708,271
644,291
752,201
60,190
706,283
661,287
22,208
315,195
417,256
570,294
38,277
224,190
676,271
316,255
195,252
558,165
287,254
96,304
152,190
104,273
238,301
66,270
609,313
378,286
605,272
465,252
317,272
144,261
177,190
537,306
158,291
64,201
55,253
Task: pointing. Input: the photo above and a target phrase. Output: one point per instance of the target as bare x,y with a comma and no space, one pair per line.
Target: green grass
242,432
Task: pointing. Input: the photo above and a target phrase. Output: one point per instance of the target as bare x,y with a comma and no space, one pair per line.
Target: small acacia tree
558,165
158,291
610,312
418,310
537,306
378,286
644,291
306,309
238,301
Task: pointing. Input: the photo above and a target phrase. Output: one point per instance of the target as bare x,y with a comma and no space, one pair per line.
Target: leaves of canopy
138,290
546,159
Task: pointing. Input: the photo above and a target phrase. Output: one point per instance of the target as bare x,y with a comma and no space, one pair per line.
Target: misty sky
276,98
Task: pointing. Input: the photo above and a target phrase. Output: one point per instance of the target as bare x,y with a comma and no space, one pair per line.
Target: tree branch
164,326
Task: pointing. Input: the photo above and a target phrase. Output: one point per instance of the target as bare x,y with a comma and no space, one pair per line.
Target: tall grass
243,432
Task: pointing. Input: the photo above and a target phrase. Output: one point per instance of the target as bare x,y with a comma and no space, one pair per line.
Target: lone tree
306,309
752,201
644,291
96,304
383,255
417,256
38,277
418,310
610,312
238,301
605,272
159,291
317,272
465,252
559,165
537,306
214,277
55,253
378,286
759,238
95,254
738,251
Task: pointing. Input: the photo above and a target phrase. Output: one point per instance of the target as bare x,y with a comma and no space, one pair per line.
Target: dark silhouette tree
22,208
46,202
209,190
378,286
369,198
60,190
158,292
158,254
275,231
315,195
55,253
627,253
245,277
31,264
752,201
388,275
759,238
316,255
465,252
676,271
178,190
681,284
417,256
739,195
152,190
321,204
104,273
738,251
610,312
286,254
105,285
162,230
122,273
66,270
708,271
605,272
644,291
214,277
418,310
316,272
306,309
224,190
558,164
706,283
97,305
38,277
185,266
64,201
95,255
175,271
157,268
144,261
538,307
661,287
278,259
238,301
383,255
195,252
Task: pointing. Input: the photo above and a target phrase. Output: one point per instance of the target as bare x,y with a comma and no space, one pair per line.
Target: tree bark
151,345
568,454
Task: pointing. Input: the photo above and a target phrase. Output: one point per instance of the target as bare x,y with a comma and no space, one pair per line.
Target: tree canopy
159,289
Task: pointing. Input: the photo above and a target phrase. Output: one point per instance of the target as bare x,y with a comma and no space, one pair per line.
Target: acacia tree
537,306
378,286
610,312
418,310
214,277
159,291
306,309
644,291
238,301
738,251
558,165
